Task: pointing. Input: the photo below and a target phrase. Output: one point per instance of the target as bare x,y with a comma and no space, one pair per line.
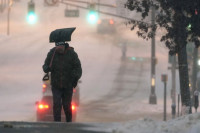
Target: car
44,107
45,110
106,26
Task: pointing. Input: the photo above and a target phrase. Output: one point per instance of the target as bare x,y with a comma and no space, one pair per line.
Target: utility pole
98,8
10,2
178,105
173,91
196,99
173,67
98,5
194,72
152,98
164,79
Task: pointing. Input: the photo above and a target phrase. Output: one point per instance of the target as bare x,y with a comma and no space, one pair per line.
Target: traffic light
92,16
31,16
194,21
189,27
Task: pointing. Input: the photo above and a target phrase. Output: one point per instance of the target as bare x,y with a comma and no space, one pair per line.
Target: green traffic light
189,27
92,17
31,18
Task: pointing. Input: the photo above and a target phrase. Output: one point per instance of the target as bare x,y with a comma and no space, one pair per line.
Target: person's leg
57,104
66,102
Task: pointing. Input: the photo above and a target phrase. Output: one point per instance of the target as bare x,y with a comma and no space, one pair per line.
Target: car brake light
73,107
44,86
111,21
43,106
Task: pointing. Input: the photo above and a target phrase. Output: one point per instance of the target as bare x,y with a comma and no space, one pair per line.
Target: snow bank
184,124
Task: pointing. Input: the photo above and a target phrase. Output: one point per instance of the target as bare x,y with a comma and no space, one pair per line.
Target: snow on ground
23,52
184,124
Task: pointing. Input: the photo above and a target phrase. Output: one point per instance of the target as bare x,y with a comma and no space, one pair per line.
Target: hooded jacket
66,68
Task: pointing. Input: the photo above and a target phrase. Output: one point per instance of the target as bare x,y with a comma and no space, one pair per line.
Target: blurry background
112,89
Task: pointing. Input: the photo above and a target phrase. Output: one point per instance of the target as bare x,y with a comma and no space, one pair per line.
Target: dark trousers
62,97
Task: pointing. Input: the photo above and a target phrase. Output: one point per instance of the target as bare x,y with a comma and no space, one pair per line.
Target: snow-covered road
111,90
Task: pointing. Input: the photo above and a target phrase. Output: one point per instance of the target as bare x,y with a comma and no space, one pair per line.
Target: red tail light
111,21
43,106
44,86
196,12
73,107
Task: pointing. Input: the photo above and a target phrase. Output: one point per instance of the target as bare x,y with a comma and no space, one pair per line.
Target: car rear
44,107
106,26
45,110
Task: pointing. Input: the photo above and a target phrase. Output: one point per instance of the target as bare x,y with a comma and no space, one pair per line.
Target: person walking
65,67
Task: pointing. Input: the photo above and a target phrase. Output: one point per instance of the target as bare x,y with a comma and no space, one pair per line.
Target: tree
181,21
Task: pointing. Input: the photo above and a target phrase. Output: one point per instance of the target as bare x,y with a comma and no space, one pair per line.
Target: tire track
110,107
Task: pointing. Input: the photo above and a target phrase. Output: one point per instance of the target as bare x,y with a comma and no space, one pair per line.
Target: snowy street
112,91
108,84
